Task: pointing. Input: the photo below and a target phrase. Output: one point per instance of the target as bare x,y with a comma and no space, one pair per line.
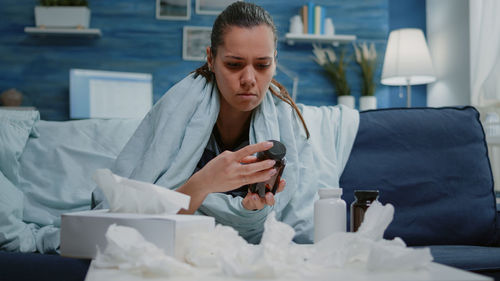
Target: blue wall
134,40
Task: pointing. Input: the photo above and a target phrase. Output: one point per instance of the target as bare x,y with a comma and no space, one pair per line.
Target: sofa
430,163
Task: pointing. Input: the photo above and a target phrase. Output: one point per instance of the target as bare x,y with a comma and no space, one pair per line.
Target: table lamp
407,60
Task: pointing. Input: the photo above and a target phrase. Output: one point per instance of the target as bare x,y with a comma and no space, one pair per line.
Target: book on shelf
305,20
310,17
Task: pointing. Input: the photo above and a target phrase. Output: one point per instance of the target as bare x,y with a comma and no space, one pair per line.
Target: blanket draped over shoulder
171,139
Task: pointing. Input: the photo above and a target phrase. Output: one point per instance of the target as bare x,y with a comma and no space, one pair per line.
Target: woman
201,136
242,60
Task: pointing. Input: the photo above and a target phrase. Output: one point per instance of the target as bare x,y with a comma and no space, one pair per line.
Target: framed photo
212,7
195,40
173,9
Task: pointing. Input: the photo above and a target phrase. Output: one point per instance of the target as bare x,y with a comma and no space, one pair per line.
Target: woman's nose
248,77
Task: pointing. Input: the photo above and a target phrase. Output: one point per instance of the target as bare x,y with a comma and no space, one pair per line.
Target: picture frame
173,9
212,7
195,40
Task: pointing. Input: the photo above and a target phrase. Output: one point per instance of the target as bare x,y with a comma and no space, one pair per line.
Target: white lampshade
407,59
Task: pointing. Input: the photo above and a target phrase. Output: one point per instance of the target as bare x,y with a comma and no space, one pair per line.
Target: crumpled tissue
225,249
368,246
131,196
128,250
227,254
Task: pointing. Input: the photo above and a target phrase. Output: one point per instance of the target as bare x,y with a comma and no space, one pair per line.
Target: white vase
367,103
62,16
346,100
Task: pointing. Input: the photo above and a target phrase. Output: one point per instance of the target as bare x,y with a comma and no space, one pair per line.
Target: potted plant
366,57
336,71
62,14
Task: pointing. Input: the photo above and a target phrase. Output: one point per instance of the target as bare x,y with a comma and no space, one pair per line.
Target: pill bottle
277,153
329,213
363,200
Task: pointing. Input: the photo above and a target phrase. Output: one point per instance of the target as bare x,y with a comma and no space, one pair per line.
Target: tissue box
81,232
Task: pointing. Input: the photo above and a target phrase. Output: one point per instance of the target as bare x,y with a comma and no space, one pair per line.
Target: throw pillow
15,129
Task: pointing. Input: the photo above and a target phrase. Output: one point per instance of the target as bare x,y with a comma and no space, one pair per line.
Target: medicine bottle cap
366,195
277,152
329,192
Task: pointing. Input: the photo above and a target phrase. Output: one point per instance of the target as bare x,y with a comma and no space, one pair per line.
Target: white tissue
224,252
368,246
274,257
131,196
128,250
376,221
205,249
394,255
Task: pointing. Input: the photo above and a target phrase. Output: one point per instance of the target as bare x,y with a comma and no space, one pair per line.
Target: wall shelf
38,31
292,38
17,107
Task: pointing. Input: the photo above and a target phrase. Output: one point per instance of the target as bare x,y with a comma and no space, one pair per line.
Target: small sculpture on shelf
11,97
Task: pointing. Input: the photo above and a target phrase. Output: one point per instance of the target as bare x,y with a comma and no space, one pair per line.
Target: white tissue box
82,232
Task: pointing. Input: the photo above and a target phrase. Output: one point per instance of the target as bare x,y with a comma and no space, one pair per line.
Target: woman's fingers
253,202
252,149
230,170
249,169
258,202
248,159
281,186
269,198
260,176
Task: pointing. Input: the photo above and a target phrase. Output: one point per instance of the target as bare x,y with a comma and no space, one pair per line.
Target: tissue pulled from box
131,196
224,252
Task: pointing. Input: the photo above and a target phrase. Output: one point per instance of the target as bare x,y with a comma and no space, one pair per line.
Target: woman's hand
230,170
254,202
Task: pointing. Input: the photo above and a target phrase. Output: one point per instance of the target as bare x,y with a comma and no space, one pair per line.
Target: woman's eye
263,66
233,64
238,65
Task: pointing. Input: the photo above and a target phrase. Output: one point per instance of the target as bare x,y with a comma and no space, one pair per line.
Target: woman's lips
247,96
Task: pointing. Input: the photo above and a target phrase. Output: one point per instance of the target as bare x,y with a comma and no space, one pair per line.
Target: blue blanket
172,137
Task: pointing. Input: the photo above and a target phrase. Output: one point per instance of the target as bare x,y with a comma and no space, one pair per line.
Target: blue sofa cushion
432,165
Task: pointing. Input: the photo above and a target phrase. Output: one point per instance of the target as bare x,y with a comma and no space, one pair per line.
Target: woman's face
244,66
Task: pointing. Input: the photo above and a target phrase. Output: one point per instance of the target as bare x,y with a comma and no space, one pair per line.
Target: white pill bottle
329,213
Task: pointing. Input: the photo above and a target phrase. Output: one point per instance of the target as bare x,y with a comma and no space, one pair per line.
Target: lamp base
408,93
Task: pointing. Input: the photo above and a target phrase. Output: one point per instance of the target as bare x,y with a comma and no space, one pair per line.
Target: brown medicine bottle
277,153
363,200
